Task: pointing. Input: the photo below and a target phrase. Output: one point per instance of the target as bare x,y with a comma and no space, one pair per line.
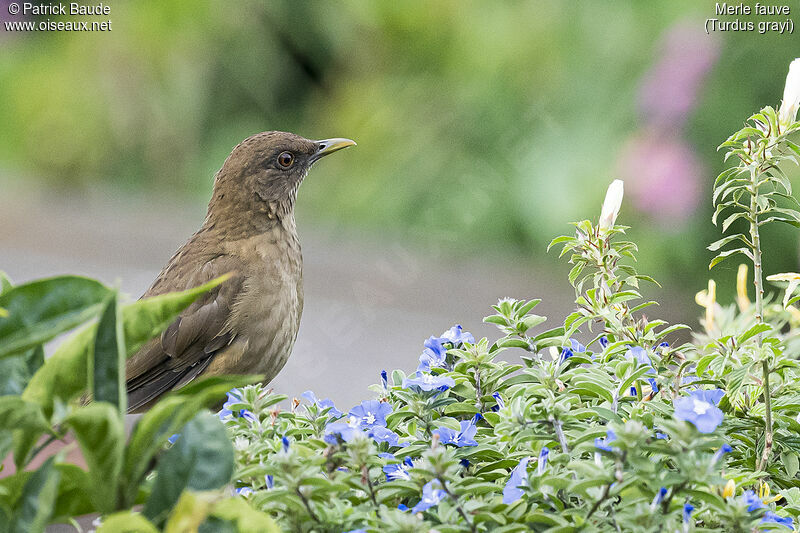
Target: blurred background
483,129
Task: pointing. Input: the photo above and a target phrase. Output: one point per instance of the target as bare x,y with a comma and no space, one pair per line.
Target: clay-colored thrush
248,324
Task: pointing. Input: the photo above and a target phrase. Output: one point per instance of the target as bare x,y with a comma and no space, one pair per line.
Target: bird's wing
188,345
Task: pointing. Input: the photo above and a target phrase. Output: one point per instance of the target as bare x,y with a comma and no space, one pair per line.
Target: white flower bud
791,95
611,205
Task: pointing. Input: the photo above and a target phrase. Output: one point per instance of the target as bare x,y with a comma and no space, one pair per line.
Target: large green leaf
42,309
127,522
108,368
166,418
17,370
201,459
16,413
65,374
247,519
100,432
35,506
73,493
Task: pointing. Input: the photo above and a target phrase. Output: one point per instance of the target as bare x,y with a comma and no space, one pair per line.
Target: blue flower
576,346
173,438
633,391
356,531
428,382
384,380
542,460
399,470
431,495
603,341
464,463
382,434
787,521
402,507
601,443
285,443
688,380
344,431
725,448
322,404
653,385
752,501
566,353
235,397
371,413
661,436
700,408
465,437
519,478
434,356
457,337
244,491
687,512
658,498
269,481
499,399
640,354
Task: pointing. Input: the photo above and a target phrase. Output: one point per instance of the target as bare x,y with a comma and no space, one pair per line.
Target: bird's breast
266,315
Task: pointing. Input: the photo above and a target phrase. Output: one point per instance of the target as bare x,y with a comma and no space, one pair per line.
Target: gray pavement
370,302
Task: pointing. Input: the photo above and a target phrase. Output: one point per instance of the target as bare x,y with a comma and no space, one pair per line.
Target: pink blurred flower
663,177
671,87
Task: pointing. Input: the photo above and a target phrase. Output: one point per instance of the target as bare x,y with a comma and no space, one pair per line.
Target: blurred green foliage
480,125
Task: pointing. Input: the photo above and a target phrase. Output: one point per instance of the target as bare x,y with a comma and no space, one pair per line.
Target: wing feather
189,344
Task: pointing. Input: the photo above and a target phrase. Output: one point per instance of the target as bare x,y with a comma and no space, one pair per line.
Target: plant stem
768,418
755,239
307,505
365,473
458,506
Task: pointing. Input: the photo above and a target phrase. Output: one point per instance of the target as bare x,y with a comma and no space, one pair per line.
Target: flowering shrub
608,423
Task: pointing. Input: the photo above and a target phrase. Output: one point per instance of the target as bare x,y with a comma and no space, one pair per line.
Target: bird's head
262,174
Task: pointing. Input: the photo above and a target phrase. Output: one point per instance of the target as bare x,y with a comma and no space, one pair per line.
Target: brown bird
249,323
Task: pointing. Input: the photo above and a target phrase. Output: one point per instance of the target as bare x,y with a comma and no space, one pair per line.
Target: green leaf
166,418
65,374
127,522
558,240
724,255
575,272
530,322
752,332
35,506
108,371
736,378
100,432
246,519
623,388
16,413
17,370
732,218
40,310
73,494
716,245
191,510
201,459
5,282
790,464
624,296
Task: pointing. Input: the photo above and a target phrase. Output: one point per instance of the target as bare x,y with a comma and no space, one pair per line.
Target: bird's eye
285,159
